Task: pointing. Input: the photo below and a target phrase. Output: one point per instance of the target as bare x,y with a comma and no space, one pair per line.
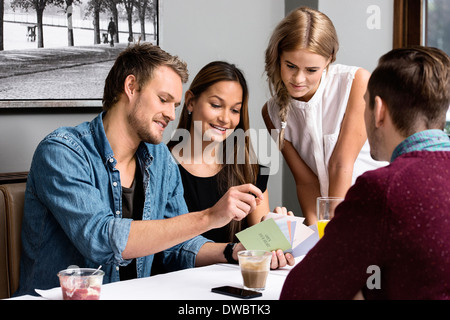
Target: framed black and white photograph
57,53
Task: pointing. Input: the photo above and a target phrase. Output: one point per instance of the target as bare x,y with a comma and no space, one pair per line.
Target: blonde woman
318,108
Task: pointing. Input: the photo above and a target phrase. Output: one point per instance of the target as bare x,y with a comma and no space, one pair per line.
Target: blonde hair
139,60
303,28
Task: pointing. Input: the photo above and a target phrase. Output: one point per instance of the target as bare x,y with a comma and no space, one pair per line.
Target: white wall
364,27
201,31
21,133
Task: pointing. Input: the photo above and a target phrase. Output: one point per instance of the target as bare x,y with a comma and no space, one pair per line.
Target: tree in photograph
147,9
2,10
142,6
129,6
94,7
39,7
152,14
69,10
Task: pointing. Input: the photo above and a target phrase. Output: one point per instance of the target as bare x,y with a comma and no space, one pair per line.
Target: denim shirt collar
101,141
428,140
105,150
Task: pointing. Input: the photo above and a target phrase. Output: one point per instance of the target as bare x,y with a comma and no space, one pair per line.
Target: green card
265,235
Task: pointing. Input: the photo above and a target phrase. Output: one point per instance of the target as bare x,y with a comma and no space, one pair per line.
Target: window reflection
437,24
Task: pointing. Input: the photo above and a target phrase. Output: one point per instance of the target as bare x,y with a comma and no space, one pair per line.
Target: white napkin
51,294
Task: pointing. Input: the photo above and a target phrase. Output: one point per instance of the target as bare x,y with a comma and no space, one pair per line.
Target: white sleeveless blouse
313,127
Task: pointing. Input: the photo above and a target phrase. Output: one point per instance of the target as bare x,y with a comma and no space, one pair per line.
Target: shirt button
111,160
115,184
117,268
117,212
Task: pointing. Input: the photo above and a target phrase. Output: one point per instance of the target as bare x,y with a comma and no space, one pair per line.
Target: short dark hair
139,60
415,84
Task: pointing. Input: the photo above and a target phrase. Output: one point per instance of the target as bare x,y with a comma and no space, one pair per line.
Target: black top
201,193
132,207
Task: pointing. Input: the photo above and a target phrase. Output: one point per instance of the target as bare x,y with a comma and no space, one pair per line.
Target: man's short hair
139,60
414,82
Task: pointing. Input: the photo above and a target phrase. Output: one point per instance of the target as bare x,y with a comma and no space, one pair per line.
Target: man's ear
130,86
379,112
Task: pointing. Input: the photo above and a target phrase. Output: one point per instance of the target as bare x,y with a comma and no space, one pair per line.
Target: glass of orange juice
325,211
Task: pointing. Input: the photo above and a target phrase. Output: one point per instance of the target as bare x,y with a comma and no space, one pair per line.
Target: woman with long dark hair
215,152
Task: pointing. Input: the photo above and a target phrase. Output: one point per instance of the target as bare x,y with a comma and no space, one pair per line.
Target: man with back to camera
390,238
107,192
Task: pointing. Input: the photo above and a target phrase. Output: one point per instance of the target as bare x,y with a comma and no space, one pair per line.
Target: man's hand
236,204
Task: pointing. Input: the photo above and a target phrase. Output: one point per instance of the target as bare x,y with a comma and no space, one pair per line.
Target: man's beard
141,128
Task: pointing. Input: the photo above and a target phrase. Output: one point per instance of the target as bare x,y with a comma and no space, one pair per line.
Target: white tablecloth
188,284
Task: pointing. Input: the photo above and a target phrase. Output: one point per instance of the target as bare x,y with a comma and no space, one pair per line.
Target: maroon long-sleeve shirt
392,232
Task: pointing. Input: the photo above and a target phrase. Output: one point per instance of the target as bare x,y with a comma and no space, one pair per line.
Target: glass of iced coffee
255,266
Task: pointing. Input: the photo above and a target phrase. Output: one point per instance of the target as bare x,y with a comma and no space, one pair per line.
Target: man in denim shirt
74,205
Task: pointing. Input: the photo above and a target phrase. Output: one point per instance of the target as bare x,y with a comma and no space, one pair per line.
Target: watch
228,253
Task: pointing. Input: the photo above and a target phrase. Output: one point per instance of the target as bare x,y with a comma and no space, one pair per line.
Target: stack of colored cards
278,231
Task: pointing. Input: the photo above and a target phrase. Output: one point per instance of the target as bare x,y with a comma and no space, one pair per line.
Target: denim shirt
73,207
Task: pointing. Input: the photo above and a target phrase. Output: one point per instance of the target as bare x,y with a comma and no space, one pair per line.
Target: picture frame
61,63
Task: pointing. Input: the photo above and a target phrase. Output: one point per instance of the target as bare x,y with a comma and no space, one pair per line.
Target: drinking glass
325,211
81,283
255,266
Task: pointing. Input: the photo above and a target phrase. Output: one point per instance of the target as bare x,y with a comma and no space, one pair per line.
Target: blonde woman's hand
279,210
283,210
281,259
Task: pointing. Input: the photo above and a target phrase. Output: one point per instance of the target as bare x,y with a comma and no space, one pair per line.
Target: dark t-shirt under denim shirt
132,206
